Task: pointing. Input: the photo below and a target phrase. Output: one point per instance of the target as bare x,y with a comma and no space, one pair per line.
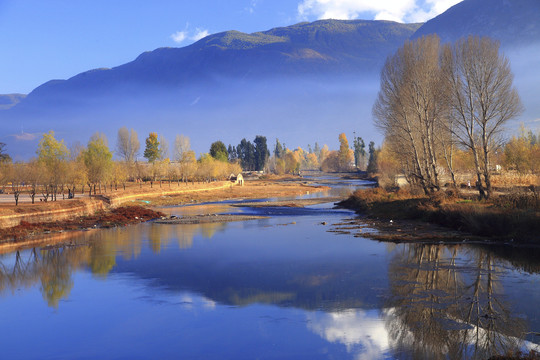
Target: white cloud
251,8
25,136
396,10
199,34
179,36
362,332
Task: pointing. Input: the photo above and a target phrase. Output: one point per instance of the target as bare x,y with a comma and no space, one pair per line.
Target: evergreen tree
233,156
359,151
279,150
152,151
246,154
218,151
261,152
372,164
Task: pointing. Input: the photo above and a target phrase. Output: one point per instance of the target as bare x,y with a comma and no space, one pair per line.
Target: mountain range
303,83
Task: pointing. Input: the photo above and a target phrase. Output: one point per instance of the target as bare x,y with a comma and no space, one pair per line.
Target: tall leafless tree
482,100
127,145
410,108
181,147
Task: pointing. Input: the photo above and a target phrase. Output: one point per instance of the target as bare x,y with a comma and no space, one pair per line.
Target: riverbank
120,216
125,207
402,216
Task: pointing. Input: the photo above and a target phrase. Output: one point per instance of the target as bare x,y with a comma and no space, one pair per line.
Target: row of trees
286,161
252,156
437,98
57,169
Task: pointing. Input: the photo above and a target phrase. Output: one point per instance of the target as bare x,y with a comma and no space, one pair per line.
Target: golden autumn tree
344,154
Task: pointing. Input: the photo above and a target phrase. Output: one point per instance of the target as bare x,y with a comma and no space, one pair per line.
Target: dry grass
489,220
520,198
510,179
27,208
194,192
519,219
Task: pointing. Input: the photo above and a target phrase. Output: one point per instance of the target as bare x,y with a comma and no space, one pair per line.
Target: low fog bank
525,62
298,111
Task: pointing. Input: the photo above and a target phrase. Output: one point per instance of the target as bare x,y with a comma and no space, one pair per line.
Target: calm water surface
286,287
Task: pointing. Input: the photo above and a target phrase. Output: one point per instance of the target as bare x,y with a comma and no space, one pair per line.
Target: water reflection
362,332
52,267
443,307
373,300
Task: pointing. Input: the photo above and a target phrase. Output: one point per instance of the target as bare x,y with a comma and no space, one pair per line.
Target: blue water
285,287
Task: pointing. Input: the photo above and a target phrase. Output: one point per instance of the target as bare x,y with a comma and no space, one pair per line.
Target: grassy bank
509,217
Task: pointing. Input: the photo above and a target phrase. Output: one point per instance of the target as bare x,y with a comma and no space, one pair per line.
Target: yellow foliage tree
522,153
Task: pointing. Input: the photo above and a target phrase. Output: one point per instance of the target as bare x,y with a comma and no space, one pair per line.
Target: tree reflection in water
444,309
97,250
444,302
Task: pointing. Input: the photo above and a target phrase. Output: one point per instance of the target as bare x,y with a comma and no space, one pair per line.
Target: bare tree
33,177
163,148
181,147
410,108
448,142
482,100
127,144
16,175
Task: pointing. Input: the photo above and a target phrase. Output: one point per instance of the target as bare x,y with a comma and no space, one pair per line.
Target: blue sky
57,39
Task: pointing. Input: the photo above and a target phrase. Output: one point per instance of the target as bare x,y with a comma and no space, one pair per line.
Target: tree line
59,170
436,99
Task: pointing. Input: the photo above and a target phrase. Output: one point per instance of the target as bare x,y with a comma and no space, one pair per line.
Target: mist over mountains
302,83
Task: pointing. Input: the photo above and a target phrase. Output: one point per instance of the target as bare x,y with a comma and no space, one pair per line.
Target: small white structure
237,179
400,180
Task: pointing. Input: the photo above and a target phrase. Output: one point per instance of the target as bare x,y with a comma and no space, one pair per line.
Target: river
290,286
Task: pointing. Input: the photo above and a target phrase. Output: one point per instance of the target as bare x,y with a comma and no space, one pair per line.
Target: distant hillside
319,48
513,22
302,83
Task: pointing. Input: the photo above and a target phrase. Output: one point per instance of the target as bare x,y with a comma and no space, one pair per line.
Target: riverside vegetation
513,216
442,110
59,171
